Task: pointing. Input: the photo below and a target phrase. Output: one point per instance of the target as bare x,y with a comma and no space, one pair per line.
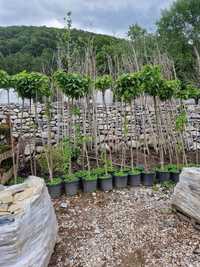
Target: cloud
106,16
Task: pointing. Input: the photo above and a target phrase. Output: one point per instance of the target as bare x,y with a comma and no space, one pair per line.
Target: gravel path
129,228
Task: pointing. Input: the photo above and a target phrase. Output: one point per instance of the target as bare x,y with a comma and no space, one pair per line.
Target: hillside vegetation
30,48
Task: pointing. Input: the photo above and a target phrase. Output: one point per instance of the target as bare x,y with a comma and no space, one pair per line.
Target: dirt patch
133,227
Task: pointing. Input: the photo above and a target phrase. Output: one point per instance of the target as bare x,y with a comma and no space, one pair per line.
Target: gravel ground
129,228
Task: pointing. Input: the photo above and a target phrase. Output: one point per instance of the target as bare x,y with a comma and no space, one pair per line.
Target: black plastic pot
134,179
120,181
174,176
71,188
162,176
106,184
55,191
89,186
148,179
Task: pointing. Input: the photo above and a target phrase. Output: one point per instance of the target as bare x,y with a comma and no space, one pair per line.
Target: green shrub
139,168
134,172
90,177
167,185
81,174
70,178
105,177
162,169
55,181
98,171
4,148
19,180
120,173
58,161
173,168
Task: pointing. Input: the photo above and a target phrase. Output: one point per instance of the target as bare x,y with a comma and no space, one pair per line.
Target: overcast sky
104,16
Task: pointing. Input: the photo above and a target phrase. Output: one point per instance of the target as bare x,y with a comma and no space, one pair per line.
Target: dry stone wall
109,129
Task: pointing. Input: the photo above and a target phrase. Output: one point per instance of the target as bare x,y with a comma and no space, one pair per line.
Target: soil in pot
55,187
120,180
148,178
105,183
72,185
134,178
174,176
162,176
89,183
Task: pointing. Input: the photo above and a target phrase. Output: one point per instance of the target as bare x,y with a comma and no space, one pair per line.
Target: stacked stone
109,133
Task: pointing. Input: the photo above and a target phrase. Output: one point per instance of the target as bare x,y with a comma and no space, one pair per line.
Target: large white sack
28,236
186,197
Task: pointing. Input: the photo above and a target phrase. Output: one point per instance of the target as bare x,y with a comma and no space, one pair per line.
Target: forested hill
29,47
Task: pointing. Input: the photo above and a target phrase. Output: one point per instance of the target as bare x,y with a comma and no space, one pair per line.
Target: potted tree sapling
174,172
55,182
194,93
126,89
33,86
134,177
103,83
129,88
165,93
152,82
55,187
72,184
74,86
71,181
89,182
105,180
6,83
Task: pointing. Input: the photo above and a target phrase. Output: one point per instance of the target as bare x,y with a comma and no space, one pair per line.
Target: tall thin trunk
160,145
11,138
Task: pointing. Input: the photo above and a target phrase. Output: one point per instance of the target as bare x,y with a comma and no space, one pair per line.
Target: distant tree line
175,45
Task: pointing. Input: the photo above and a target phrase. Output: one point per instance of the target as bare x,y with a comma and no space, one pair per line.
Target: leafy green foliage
103,83
4,148
66,152
31,48
55,181
169,89
73,85
5,80
70,178
173,168
31,85
90,177
152,80
98,171
120,173
179,32
134,172
81,174
193,92
168,185
128,86
183,92
18,180
181,121
136,32
60,160
105,177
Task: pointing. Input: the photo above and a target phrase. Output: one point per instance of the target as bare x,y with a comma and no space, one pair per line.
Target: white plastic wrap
186,197
28,236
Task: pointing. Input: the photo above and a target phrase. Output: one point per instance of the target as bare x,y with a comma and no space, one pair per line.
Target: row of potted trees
90,181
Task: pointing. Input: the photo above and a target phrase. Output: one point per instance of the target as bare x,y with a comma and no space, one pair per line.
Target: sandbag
186,197
28,225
